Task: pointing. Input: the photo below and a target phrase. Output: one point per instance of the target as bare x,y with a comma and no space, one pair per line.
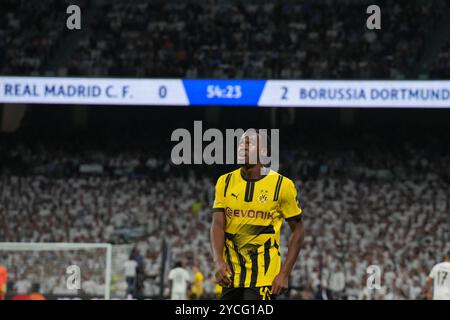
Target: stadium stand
260,39
312,39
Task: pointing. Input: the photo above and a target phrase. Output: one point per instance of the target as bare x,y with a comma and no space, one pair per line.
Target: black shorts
260,293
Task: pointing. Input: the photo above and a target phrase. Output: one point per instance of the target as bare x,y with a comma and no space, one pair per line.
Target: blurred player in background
439,280
249,208
130,267
179,279
218,290
197,288
3,281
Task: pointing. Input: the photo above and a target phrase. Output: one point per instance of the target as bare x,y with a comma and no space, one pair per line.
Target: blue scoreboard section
224,92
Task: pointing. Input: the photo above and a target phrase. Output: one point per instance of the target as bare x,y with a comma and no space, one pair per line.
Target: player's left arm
293,215
280,283
170,282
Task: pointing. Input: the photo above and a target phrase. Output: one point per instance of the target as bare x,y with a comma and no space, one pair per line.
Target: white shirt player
130,268
180,278
441,281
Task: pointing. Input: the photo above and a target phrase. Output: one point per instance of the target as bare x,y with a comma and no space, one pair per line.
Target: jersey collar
268,171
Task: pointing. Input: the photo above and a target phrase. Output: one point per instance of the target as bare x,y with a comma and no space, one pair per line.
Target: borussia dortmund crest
262,198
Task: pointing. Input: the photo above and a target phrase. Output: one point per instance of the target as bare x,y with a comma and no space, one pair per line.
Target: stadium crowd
312,39
221,39
28,53
378,207
441,68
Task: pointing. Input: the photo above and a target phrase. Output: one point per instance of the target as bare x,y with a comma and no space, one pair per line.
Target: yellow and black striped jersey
254,212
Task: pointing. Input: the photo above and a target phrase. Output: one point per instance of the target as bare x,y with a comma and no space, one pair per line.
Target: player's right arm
217,235
429,284
429,288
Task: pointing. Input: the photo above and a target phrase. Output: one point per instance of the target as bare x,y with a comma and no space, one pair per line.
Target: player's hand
222,272
280,284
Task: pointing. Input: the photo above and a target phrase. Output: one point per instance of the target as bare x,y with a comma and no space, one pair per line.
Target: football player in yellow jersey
250,205
197,288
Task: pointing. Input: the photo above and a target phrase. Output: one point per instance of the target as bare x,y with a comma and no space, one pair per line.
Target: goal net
58,270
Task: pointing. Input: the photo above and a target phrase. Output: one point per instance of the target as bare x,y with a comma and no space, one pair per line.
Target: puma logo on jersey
234,195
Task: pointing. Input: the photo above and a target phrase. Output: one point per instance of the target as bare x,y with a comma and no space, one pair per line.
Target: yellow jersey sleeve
219,199
290,208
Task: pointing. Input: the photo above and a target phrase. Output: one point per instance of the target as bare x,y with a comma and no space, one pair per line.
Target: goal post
61,246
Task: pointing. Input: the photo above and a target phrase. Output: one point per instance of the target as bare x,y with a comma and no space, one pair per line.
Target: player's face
248,149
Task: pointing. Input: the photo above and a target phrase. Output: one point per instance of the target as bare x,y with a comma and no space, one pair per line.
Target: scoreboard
213,92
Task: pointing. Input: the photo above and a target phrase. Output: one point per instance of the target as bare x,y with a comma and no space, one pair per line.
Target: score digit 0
162,92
